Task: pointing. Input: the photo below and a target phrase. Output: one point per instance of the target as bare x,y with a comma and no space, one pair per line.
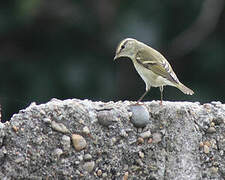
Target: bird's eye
122,47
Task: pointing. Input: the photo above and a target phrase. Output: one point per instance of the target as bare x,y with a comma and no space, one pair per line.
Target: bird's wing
155,62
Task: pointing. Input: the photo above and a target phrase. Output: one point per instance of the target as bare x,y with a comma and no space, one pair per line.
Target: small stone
126,167
59,127
123,133
139,162
81,121
213,144
130,114
86,130
57,153
77,162
80,158
113,140
214,170
150,140
1,125
87,157
201,144
79,142
106,118
140,116
15,128
125,177
207,105
104,175
211,130
207,143
206,149
19,159
139,130
99,172
89,166
65,142
157,137
141,154
146,134
47,120
140,140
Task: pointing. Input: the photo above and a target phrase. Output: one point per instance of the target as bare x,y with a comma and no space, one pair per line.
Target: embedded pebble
104,175
65,142
99,172
140,116
207,143
141,154
79,142
113,140
146,134
2,125
140,140
123,133
206,149
19,159
214,170
211,130
139,130
105,118
81,158
59,127
201,144
150,140
156,137
47,120
125,177
86,130
57,152
212,124
87,157
89,166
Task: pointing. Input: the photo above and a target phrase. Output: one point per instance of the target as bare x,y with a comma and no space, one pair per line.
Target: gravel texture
81,139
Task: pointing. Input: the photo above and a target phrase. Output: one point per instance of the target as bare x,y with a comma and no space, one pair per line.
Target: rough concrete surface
81,139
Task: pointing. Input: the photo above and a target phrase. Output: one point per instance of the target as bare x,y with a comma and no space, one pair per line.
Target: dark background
65,49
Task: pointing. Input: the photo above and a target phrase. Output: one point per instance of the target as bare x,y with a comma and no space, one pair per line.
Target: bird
151,65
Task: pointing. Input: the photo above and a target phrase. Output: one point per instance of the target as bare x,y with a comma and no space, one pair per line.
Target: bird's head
126,48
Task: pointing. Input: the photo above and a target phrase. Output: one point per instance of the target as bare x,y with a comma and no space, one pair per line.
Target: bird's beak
115,57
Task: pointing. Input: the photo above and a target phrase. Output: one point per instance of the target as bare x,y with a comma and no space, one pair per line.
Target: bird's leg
139,100
161,92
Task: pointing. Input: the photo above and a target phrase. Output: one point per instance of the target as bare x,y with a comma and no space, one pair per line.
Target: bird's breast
150,78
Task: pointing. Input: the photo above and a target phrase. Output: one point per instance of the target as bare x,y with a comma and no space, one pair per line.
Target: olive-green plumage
152,66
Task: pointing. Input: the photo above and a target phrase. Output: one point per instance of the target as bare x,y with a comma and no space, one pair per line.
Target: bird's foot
138,103
161,103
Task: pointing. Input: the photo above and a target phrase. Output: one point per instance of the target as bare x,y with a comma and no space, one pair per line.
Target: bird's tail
185,89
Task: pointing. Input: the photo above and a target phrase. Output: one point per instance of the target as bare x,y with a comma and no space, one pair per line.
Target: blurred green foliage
64,49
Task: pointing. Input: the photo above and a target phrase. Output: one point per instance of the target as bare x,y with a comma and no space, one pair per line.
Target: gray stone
87,157
140,116
89,166
1,125
65,142
211,130
145,134
106,118
157,137
59,127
